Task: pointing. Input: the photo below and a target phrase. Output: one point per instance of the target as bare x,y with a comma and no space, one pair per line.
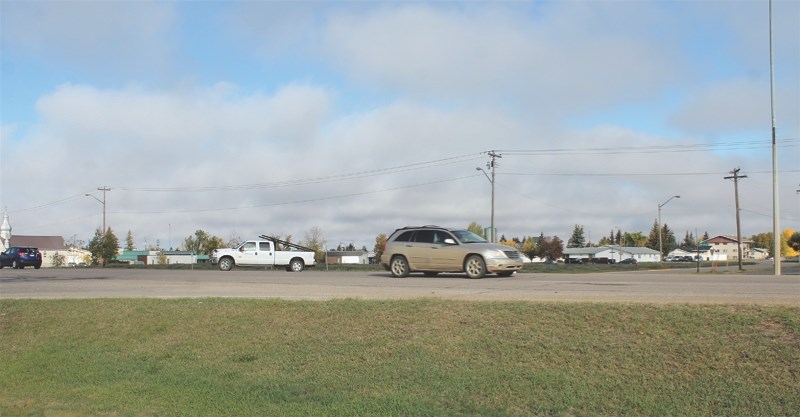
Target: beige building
728,246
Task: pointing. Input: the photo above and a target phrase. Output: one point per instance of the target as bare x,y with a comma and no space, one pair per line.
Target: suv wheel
399,267
475,267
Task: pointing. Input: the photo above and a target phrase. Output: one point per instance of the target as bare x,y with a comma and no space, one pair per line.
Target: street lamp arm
99,200
665,203
484,173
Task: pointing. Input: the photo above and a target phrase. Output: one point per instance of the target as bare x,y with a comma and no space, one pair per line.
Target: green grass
232,357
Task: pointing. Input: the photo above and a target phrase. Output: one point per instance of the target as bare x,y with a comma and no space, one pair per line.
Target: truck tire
296,265
225,264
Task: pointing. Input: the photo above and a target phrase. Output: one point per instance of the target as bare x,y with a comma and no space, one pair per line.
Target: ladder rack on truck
287,246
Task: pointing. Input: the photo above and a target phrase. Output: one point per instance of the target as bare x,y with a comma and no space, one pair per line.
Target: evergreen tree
104,246
652,238
669,243
619,237
688,241
577,240
129,241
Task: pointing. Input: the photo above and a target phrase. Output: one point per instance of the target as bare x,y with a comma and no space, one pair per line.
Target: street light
660,243
103,202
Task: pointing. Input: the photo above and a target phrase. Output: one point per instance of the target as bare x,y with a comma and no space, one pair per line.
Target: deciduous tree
380,243
477,229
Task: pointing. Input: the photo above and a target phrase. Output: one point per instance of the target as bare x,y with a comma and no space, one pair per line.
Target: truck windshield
465,236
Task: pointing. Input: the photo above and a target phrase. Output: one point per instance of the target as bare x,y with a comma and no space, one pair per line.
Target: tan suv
433,249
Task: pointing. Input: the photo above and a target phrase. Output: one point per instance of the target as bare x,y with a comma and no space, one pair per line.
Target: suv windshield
465,236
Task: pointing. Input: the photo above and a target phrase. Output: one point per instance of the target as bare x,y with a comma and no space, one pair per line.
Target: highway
666,286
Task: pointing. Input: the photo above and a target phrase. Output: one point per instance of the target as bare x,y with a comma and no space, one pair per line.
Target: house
152,257
728,246
358,257
705,253
759,253
613,253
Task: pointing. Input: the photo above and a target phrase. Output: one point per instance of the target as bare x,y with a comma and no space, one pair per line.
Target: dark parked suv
433,249
19,257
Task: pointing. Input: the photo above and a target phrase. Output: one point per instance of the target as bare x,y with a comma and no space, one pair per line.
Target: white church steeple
5,232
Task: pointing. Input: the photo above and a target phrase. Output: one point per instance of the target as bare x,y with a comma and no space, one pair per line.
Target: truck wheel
475,267
225,264
399,267
296,265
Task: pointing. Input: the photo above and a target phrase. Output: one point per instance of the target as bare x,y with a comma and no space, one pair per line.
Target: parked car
573,261
433,249
628,261
19,257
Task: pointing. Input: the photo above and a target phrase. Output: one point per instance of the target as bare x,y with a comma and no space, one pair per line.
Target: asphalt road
672,286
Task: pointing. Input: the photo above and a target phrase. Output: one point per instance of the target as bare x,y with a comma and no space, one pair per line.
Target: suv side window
405,236
440,236
424,236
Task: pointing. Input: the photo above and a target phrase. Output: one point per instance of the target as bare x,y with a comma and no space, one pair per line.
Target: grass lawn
234,357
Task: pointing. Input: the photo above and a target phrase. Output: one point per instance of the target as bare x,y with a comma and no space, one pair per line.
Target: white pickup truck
263,253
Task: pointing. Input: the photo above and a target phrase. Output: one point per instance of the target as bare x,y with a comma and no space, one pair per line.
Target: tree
786,247
477,229
763,241
104,246
794,241
313,240
577,240
634,240
550,248
506,242
529,248
688,241
129,241
202,242
380,243
619,237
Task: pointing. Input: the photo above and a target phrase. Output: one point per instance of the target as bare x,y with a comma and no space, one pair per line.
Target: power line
309,200
619,150
316,180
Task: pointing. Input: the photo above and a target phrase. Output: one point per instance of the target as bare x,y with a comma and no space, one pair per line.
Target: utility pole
660,244
491,165
776,212
736,178
103,202
104,189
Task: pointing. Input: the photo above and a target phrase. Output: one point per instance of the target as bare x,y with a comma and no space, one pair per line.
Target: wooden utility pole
736,178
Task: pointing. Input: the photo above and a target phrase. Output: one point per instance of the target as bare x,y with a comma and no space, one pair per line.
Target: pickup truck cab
264,253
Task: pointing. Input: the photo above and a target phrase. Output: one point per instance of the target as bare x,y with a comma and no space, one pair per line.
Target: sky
357,118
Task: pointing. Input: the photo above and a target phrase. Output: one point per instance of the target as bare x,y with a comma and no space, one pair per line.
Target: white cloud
561,62
130,38
435,84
